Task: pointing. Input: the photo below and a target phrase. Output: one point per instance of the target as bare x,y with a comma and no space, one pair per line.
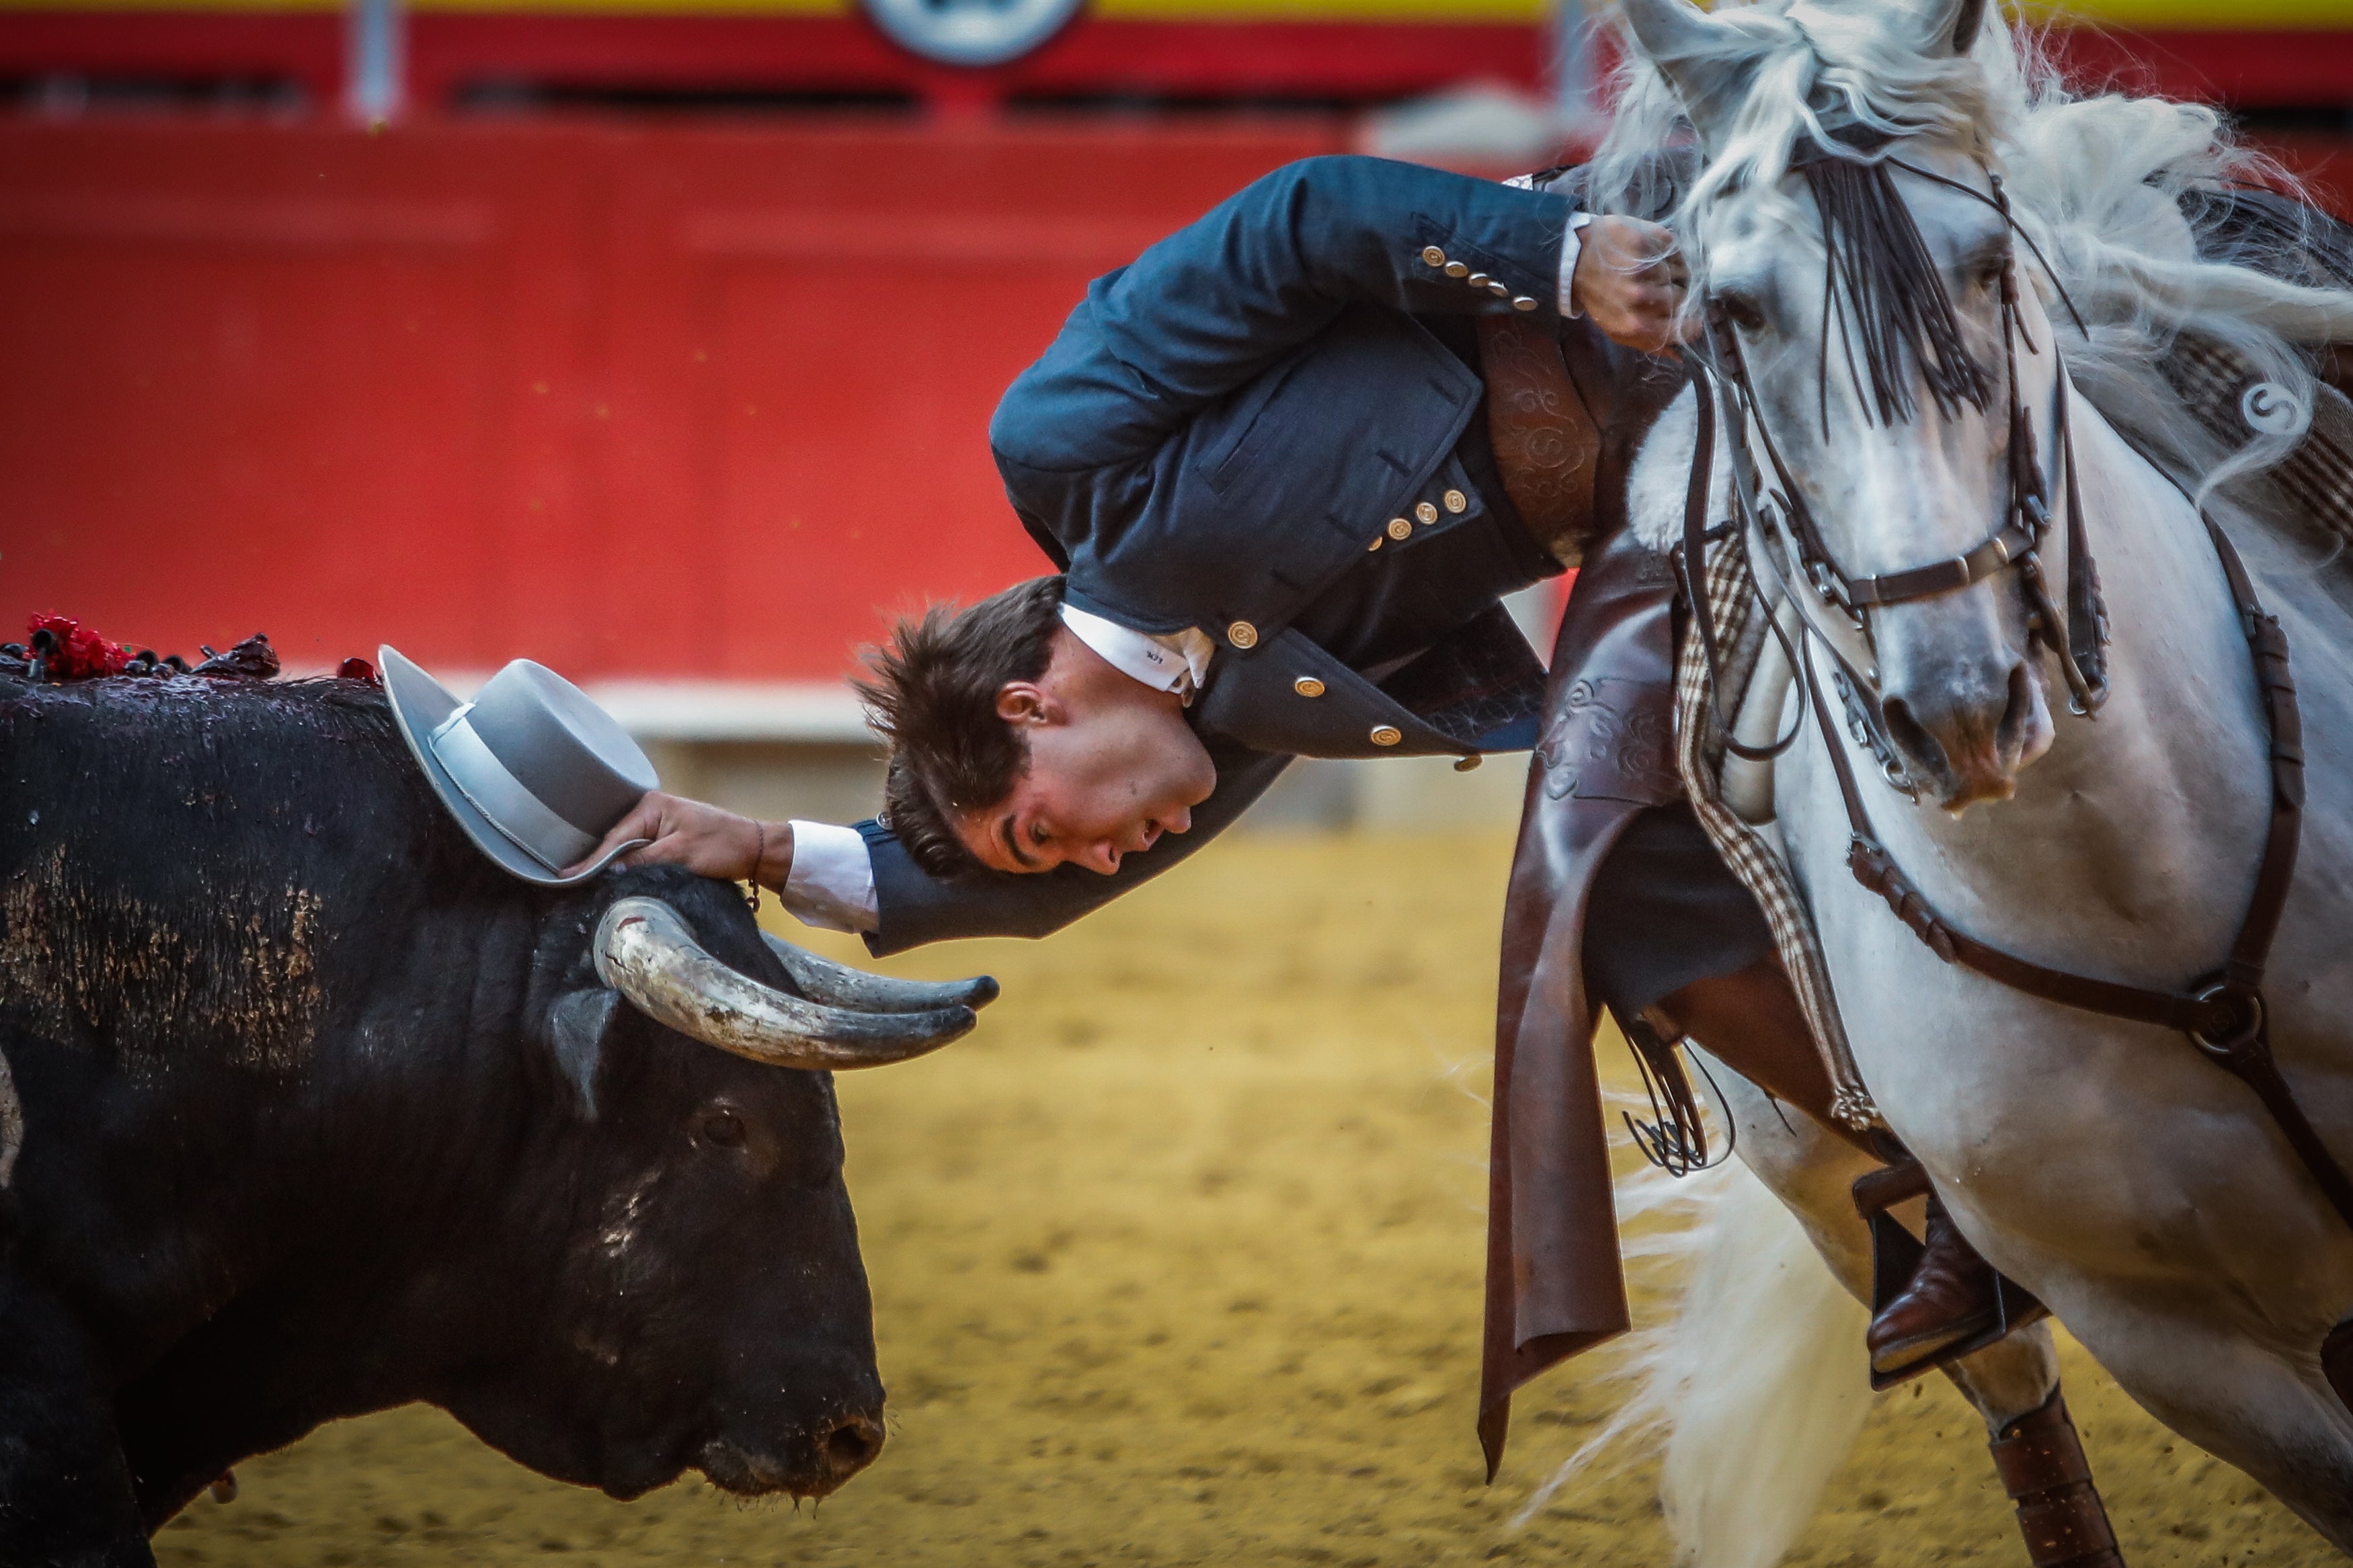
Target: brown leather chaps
1566,418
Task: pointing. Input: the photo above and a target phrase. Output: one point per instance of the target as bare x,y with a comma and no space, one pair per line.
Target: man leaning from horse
1288,464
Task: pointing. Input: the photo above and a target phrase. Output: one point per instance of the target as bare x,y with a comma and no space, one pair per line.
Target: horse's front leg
2013,1383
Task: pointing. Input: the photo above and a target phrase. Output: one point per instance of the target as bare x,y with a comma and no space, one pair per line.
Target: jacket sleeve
915,908
1214,305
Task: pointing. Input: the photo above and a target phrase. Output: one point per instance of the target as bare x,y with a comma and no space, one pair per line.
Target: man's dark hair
931,692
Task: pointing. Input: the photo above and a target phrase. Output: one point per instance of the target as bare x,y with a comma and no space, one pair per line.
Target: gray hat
533,771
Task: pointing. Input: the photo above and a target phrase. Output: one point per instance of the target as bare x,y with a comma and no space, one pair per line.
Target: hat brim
419,706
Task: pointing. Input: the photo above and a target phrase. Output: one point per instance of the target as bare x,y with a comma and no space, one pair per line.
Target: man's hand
705,839
1631,282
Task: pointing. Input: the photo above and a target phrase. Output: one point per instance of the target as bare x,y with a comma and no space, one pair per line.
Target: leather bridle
2223,1013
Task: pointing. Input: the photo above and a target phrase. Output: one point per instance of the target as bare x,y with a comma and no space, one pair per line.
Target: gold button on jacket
1455,501
1386,735
1477,280
1457,269
1425,512
1524,304
1432,257
1241,634
1399,528
1308,686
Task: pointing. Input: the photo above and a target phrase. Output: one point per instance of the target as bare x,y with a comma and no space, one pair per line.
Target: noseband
2224,1014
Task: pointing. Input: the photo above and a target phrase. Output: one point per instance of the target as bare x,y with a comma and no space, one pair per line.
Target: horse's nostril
2018,718
1910,737
853,1444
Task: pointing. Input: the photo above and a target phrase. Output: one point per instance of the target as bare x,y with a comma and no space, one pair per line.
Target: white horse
2129,1183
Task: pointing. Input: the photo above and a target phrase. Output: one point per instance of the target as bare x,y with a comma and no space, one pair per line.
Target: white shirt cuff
1572,245
831,885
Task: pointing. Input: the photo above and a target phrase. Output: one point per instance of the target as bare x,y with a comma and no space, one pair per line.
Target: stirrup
1895,1255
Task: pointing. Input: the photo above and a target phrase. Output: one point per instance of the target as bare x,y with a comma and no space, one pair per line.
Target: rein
2222,1015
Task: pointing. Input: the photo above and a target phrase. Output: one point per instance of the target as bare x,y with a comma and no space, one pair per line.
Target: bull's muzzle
850,1019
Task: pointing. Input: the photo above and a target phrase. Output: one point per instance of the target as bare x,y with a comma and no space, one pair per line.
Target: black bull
321,1115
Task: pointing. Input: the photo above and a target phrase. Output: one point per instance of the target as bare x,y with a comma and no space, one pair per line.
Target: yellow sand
1177,1261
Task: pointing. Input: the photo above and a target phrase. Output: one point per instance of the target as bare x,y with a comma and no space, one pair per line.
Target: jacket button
1399,530
1524,304
1456,501
1497,289
1425,513
1432,257
1241,634
1469,764
1457,269
1378,539
1386,735
1308,686
1477,280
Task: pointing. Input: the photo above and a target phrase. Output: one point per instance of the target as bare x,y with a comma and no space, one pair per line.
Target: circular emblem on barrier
971,32
2271,409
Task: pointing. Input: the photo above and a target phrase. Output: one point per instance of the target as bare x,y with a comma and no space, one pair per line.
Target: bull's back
189,868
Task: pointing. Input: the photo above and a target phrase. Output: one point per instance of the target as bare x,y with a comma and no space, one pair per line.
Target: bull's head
711,1310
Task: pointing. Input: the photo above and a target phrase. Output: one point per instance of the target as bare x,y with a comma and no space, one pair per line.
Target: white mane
2094,180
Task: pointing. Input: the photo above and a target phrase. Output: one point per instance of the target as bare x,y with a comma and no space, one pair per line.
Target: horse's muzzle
1968,735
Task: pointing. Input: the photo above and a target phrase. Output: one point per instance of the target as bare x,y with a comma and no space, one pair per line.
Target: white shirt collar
1177,662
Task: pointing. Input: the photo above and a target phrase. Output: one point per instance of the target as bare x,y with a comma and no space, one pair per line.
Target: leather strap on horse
2225,1017
2041,1461
1693,565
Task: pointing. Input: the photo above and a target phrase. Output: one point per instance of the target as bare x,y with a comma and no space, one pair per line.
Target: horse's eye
723,1128
1743,311
1989,270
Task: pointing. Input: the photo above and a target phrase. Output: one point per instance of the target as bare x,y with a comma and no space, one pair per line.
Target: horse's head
1862,305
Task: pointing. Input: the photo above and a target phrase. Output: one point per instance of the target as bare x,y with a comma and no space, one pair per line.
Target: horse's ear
1968,18
1705,60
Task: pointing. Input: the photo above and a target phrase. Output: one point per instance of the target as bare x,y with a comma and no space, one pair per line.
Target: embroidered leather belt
1548,445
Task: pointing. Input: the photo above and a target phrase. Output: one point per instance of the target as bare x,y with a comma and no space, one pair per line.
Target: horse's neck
2133,842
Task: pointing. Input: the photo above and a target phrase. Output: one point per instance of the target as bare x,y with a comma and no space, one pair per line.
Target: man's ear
576,1027
1027,702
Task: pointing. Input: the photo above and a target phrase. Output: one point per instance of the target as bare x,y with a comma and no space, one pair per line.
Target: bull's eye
723,1128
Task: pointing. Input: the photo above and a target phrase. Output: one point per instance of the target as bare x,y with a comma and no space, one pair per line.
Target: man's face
1113,765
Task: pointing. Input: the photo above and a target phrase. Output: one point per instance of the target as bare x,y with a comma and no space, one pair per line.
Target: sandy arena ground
1177,1261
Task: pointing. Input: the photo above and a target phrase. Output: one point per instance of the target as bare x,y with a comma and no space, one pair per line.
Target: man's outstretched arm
875,889
1215,304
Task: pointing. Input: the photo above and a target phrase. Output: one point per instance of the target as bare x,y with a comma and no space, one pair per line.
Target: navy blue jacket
1232,433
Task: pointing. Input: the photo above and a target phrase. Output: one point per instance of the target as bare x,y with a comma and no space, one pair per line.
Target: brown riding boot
1953,1299
2042,1469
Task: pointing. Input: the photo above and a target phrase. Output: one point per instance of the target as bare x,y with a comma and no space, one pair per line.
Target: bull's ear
576,1026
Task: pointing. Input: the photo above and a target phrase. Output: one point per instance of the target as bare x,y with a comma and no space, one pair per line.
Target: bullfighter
1287,465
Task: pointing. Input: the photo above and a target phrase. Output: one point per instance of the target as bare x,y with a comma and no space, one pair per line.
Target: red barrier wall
634,400
662,400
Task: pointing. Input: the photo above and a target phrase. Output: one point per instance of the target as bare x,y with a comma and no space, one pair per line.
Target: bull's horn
645,951
842,986
1699,56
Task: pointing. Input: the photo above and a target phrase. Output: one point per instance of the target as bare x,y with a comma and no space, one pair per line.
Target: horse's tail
1755,1391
